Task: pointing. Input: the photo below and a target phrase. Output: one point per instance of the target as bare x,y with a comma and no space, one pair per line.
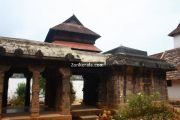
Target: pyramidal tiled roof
126,50
74,25
175,31
73,20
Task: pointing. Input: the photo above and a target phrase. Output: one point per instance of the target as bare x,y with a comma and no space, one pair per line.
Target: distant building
176,35
173,56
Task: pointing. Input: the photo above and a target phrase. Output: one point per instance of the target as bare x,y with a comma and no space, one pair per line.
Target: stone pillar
116,87
164,85
35,108
142,80
65,98
136,82
113,88
124,80
152,82
129,84
3,69
122,86
156,80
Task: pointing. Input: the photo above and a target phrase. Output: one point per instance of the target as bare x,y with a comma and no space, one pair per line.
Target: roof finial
73,19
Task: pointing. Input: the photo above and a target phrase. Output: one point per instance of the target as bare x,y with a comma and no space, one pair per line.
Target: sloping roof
138,61
73,20
74,25
79,46
175,31
173,57
157,55
129,56
126,50
30,48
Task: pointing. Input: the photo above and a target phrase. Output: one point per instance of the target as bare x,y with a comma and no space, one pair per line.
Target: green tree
42,84
20,91
18,99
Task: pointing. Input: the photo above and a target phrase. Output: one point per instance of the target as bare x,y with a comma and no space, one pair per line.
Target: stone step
88,117
85,112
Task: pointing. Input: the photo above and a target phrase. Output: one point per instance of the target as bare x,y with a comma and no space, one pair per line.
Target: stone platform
41,117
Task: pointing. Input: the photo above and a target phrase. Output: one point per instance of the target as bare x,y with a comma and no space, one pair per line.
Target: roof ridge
163,54
73,20
178,25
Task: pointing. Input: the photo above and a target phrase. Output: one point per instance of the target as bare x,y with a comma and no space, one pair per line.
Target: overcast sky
140,24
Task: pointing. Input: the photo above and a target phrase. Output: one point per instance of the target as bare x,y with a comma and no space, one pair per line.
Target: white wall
174,90
78,86
177,41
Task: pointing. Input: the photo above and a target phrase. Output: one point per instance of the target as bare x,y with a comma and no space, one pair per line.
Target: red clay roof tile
75,45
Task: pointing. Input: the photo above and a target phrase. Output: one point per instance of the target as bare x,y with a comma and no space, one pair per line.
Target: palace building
124,71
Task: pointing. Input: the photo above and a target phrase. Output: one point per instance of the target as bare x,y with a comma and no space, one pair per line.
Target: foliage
145,107
42,84
18,99
20,91
106,115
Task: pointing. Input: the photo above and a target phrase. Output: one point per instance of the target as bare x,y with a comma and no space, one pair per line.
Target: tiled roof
74,25
79,46
138,61
129,56
126,50
157,55
29,49
175,31
173,57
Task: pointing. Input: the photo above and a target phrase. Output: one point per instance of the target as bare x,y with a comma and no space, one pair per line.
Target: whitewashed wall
177,41
174,90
